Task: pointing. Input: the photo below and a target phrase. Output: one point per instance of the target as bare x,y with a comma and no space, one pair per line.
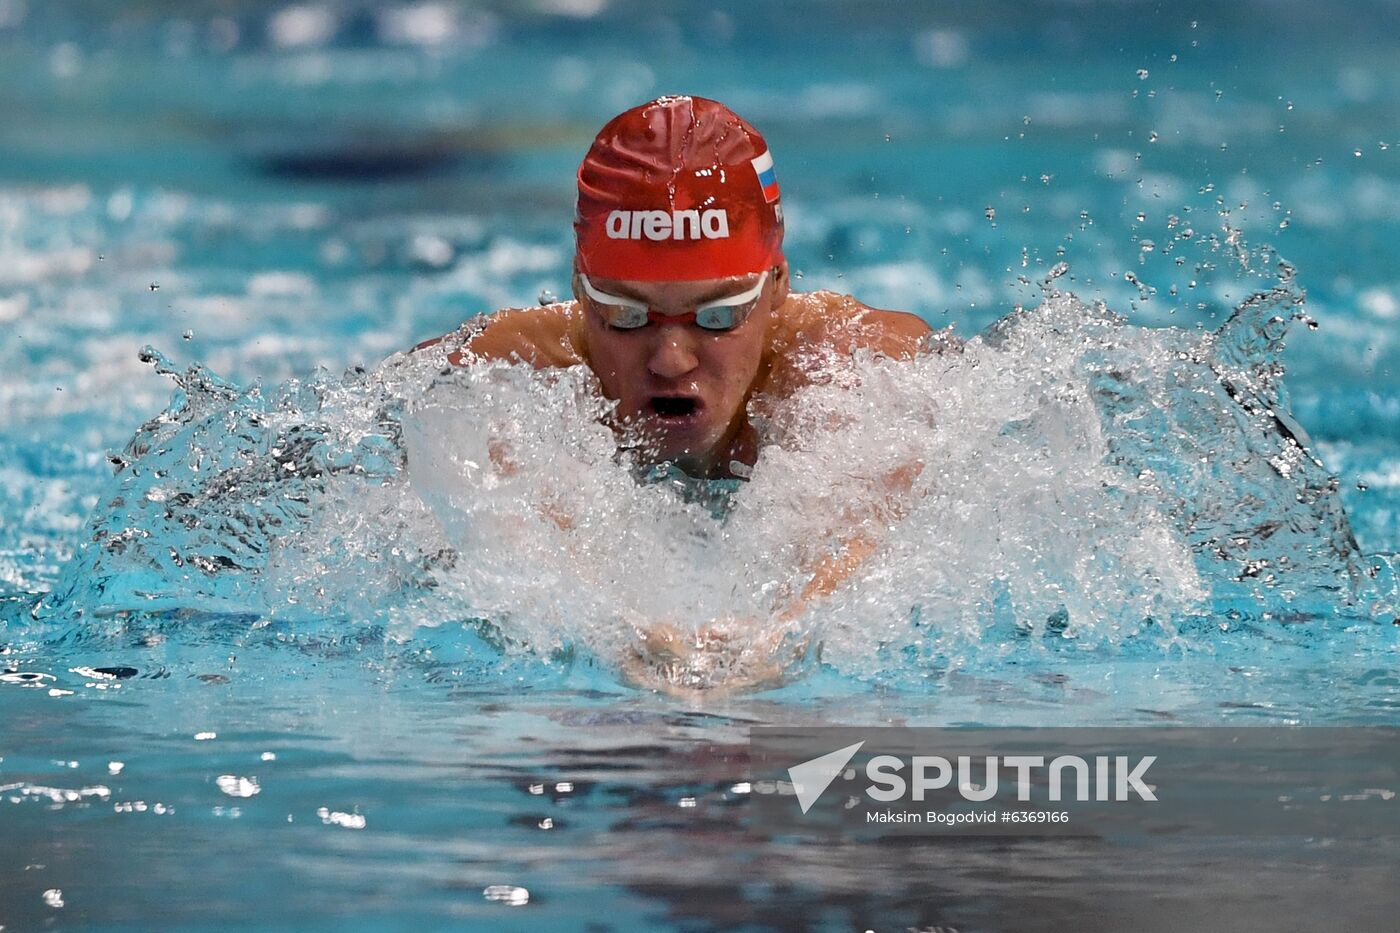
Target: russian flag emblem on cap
767,178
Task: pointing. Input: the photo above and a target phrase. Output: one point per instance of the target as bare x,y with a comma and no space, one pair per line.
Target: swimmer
683,310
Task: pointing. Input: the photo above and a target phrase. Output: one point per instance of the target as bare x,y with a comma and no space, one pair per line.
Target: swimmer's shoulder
828,320
546,337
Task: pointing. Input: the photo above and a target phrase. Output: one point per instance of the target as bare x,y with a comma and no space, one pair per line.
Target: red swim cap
678,189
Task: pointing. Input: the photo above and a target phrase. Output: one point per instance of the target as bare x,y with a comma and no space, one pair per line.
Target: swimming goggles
719,315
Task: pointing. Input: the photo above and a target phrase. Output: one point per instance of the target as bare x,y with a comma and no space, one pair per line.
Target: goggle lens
719,315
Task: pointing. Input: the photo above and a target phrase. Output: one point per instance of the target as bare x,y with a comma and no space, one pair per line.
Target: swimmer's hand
719,658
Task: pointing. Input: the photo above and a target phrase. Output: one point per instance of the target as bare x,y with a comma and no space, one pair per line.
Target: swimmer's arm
830,572
665,658
856,546
668,660
845,325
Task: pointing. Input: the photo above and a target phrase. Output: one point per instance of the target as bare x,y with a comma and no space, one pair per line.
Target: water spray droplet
1057,270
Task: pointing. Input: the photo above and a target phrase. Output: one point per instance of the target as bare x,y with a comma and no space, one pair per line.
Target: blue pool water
275,656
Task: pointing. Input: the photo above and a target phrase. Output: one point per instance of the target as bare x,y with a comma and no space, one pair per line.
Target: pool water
277,654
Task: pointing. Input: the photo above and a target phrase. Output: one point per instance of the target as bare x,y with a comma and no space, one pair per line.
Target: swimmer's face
683,388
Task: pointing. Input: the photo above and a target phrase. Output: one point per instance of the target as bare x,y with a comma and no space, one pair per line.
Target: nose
673,355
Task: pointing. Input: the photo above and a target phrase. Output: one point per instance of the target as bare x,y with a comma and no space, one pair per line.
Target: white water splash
1067,474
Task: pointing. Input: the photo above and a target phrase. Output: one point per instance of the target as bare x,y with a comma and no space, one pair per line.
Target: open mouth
674,406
